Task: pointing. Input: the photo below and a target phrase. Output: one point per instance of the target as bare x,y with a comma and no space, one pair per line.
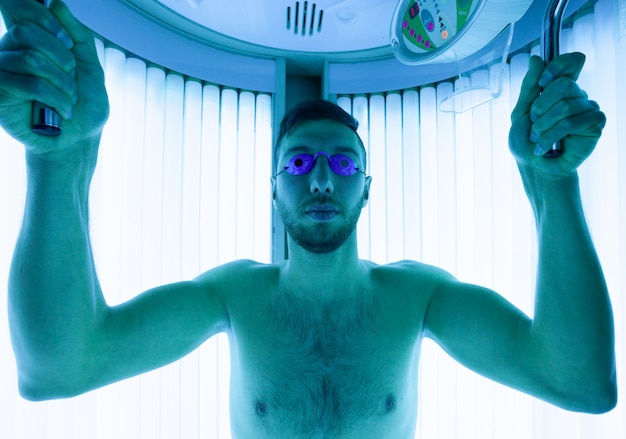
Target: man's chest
327,371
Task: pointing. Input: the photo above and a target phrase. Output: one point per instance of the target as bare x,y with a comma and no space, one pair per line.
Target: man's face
320,208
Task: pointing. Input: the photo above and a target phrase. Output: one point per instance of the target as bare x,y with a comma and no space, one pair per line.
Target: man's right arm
65,337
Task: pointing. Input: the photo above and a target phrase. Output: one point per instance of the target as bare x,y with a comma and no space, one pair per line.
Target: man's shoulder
412,270
406,288
241,271
246,266
410,281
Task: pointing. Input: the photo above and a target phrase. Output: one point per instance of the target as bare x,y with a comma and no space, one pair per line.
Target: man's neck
324,275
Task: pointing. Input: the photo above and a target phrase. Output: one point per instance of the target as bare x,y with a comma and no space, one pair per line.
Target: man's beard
318,238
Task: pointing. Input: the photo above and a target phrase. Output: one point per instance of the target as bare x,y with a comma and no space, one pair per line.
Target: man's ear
366,191
273,181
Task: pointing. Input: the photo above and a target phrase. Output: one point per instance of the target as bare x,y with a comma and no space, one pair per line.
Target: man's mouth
321,212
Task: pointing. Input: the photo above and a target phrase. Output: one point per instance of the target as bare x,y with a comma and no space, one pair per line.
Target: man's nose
321,176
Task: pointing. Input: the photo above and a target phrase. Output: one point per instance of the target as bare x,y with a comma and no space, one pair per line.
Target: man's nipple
260,409
390,403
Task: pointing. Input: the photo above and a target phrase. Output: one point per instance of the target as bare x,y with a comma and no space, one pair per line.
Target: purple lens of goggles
340,164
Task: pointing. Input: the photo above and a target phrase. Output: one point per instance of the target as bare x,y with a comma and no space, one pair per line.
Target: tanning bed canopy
428,31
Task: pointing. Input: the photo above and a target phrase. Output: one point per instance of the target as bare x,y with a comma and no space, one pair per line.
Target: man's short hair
317,109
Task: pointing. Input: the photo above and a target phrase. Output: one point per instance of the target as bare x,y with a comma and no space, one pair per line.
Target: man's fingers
81,36
26,88
586,124
48,69
29,36
563,89
20,11
567,65
530,90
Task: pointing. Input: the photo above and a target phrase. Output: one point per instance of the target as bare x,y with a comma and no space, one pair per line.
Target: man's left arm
565,353
573,318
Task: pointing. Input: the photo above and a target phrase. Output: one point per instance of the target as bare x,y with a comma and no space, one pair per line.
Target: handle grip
45,120
550,45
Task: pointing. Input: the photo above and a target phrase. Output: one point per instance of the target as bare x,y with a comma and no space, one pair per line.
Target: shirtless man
323,345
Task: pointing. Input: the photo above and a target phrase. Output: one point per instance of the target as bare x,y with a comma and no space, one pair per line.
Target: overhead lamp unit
426,31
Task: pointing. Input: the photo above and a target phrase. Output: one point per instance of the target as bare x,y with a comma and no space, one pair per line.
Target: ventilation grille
304,18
